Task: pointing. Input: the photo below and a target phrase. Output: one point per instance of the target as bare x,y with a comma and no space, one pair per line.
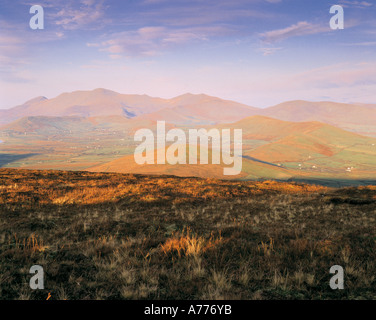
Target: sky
258,52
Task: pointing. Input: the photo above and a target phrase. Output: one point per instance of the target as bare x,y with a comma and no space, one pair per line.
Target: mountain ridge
193,109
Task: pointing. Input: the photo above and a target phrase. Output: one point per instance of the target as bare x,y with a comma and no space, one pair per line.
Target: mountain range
93,130
184,109
192,109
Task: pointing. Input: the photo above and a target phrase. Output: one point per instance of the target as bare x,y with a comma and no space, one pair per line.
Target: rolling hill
99,102
315,148
184,109
288,150
46,126
201,109
12,114
94,130
251,169
358,118
193,109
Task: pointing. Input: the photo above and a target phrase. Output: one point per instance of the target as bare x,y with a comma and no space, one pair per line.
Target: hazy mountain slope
47,125
353,117
266,128
320,148
99,102
201,109
367,105
313,148
9,115
273,149
311,144
184,109
43,125
192,109
208,111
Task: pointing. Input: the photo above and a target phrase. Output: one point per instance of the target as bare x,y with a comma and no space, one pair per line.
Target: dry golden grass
30,188
31,244
119,236
188,244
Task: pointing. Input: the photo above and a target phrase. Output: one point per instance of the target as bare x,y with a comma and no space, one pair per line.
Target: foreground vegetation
120,236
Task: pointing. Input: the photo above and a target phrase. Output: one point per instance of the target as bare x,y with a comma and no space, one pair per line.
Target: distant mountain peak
36,99
192,95
105,91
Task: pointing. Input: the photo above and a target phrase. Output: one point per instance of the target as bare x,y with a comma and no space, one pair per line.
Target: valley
99,136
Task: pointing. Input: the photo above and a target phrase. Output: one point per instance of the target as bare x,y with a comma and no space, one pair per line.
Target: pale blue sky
259,52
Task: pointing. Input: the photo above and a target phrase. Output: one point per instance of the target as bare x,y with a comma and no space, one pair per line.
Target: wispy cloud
12,52
361,44
16,53
198,13
148,41
336,76
72,15
341,82
300,29
269,51
355,4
